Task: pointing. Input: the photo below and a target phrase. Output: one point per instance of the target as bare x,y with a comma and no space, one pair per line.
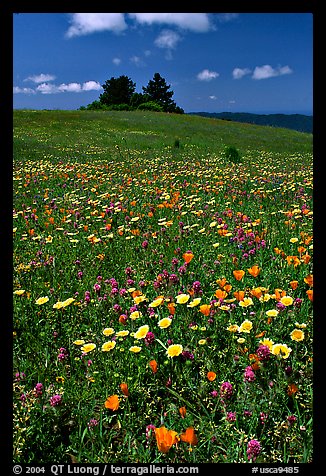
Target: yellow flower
142,332
247,301
281,349
233,328
164,323
294,240
182,298
88,347
297,335
58,305
122,333
135,349
287,300
79,342
156,302
41,300
202,341
272,313
67,302
19,292
246,326
174,350
269,343
194,302
301,326
135,315
139,299
241,340
108,331
49,239
107,346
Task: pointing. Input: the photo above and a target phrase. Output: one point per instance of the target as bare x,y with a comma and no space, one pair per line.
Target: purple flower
39,389
226,390
149,338
253,449
55,400
249,374
92,422
187,355
291,419
214,393
280,307
263,352
231,416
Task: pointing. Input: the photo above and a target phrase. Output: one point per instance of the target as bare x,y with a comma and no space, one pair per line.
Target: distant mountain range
297,122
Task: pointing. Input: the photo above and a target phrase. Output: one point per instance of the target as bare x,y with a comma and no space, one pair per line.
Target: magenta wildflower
55,400
249,375
39,389
253,449
231,416
226,390
263,352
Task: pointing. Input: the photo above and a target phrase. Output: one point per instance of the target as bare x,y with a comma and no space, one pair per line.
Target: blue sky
214,62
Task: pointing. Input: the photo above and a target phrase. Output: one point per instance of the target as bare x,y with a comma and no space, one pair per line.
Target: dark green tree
159,91
117,91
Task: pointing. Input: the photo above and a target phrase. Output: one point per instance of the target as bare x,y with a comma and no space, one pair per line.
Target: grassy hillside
96,134
162,294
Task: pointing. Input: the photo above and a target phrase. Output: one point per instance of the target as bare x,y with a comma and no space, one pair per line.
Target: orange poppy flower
256,292
309,280
211,376
279,293
182,411
294,284
165,438
227,288
112,402
220,294
189,436
239,295
188,256
153,366
238,274
221,282
292,389
205,309
310,294
171,307
123,319
254,271
124,389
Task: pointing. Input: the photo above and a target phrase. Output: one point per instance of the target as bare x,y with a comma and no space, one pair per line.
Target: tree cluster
119,94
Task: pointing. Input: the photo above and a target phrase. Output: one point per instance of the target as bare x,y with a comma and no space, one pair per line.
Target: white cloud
267,71
167,39
197,22
213,97
238,73
136,60
18,90
91,86
48,88
116,61
87,23
40,78
207,75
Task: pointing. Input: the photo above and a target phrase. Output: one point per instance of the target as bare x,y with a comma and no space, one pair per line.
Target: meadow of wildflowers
162,297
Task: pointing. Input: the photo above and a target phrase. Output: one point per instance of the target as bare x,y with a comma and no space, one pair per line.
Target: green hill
297,122
90,134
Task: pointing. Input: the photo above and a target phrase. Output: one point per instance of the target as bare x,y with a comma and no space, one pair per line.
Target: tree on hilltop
158,91
117,91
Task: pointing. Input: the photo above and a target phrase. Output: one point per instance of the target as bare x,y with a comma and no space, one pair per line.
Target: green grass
106,205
